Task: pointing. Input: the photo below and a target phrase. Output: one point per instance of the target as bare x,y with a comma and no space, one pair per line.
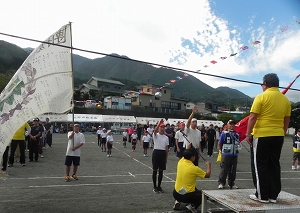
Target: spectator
49,131
35,135
203,140
211,137
296,150
179,140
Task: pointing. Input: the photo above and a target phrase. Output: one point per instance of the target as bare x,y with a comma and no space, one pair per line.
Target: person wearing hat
99,132
159,155
228,144
134,138
75,142
103,140
109,142
146,139
296,150
211,137
35,134
193,134
267,125
180,141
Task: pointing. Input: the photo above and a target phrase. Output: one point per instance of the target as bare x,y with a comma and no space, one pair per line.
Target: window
133,99
165,91
107,86
165,104
114,103
127,104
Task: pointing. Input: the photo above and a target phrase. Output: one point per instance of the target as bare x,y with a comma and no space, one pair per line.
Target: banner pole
73,105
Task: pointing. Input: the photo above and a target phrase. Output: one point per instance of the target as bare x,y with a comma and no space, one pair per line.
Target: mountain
235,96
191,88
11,57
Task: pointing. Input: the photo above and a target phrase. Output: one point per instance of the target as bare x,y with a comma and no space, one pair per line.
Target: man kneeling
185,186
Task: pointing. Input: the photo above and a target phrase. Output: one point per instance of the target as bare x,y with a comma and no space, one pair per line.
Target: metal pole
71,42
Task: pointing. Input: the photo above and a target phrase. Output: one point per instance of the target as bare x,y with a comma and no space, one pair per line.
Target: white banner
43,84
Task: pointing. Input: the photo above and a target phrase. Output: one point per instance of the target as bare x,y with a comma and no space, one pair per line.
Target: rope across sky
144,62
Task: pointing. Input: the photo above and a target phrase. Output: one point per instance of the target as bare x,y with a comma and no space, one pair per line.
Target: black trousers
228,169
203,145
267,151
49,139
210,146
13,146
194,198
34,149
5,159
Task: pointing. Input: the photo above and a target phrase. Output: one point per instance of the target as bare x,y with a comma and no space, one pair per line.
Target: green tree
92,93
77,95
295,116
85,96
225,117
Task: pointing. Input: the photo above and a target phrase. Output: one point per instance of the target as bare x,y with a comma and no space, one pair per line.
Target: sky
183,34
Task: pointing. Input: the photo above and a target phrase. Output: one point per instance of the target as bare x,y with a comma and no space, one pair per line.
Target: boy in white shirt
125,135
180,141
103,140
146,139
134,137
99,132
109,142
76,140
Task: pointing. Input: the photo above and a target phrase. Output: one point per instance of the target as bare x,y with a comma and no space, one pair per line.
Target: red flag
241,126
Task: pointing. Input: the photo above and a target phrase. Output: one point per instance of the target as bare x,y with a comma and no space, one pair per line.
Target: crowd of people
267,125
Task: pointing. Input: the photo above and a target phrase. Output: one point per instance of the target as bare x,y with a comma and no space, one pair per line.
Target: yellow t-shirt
20,133
187,174
271,106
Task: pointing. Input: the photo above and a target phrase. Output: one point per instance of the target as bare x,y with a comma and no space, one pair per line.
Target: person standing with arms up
193,134
160,155
268,122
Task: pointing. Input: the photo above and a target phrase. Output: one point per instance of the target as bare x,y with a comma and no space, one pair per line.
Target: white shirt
160,141
179,136
146,138
134,136
110,138
194,136
103,134
150,130
125,134
99,131
78,139
217,135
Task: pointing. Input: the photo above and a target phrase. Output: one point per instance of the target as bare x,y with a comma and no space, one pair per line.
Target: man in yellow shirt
185,186
268,122
18,139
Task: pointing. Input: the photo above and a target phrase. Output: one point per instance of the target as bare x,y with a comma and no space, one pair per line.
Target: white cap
103,129
194,119
109,131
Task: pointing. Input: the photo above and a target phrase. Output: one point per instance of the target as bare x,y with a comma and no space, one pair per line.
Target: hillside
12,56
235,96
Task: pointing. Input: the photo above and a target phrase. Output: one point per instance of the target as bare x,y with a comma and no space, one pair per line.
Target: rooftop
106,81
92,87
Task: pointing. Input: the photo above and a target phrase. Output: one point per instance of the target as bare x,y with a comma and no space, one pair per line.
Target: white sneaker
176,205
191,208
293,168
220,186
272,201
107,155
234,187
41,156
253,197
144,155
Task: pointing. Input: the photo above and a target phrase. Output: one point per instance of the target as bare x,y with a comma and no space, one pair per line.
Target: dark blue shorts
180,154
72,159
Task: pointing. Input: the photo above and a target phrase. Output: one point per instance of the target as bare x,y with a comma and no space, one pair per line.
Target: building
166,103
121,103
105,87
204,108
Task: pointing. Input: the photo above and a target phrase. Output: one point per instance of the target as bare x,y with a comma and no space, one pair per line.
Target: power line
139,61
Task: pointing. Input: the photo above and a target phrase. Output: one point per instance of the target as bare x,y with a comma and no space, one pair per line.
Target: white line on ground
140,162
131,174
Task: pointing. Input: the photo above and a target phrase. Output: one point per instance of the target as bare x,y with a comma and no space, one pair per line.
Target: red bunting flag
213,62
